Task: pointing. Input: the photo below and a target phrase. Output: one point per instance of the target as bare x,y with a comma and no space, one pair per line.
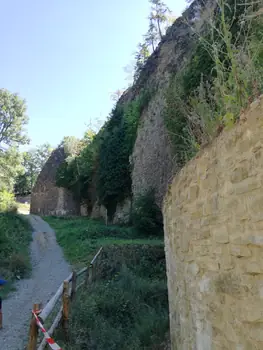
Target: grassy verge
23,206
81,237
15,237
127,307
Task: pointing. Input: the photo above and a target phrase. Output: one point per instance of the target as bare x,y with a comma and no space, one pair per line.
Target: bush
7,202
15,237
127,312
223,76
19,264
146,215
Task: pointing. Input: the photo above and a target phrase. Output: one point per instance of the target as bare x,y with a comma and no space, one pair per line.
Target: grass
23,206
15,237
127,306
81,237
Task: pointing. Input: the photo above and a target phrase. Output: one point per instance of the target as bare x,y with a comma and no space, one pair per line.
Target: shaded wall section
213,217
46,197
152,161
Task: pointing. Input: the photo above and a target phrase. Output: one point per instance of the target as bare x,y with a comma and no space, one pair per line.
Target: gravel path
49,270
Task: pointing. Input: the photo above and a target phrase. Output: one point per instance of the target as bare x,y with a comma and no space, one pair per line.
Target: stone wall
46,197
152,159
99,212
123,212
213,218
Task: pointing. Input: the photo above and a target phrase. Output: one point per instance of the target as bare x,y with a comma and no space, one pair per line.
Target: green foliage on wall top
223,75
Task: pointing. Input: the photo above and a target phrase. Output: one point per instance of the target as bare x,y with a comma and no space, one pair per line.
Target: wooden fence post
74,285
33,331
91,273
65,309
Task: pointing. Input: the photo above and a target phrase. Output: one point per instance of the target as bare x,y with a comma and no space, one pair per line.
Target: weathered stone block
239,174
199,250
220,234
255,240
193,192
207,263
252,313
253,268
240,250
219,280
201,234
247,185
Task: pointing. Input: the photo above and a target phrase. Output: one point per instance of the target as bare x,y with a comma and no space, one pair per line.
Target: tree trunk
159,29
153,48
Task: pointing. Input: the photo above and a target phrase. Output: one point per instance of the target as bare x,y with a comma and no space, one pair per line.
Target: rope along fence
66,292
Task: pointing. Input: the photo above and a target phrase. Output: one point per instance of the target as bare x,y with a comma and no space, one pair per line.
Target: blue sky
66,57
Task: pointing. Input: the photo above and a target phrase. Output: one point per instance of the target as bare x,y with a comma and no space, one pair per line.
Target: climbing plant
107,153
117,141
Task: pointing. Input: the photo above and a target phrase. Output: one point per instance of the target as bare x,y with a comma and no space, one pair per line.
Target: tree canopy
32,163
13,120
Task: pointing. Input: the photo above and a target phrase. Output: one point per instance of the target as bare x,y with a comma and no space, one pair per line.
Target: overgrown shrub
125,312
222,77
15,237
114,170
7,202
105,155
146,215
126,307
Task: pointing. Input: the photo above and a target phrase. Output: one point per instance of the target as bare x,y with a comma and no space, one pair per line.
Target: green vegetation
127,307
146,215
159,20
32,163
15,233
106,153
12,134
220,80
128,312
101,162
82,237
15,237
7,202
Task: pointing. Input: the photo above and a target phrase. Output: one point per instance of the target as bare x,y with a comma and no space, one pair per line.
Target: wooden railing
66,292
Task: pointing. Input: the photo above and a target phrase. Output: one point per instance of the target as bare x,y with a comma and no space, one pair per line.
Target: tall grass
221,79
127,306
128,312
81,237
15,237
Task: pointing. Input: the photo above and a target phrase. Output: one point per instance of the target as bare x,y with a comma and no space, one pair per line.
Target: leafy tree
13,120
72,145
117,94
146,215
141,57
10,167
75,173
158,16
33,162
151,37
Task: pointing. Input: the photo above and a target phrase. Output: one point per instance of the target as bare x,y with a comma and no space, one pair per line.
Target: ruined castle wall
213,218
46,197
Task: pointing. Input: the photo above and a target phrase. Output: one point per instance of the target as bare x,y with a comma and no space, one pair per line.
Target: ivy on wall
107,154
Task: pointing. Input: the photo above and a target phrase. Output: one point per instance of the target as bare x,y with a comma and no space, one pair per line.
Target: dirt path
49,270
